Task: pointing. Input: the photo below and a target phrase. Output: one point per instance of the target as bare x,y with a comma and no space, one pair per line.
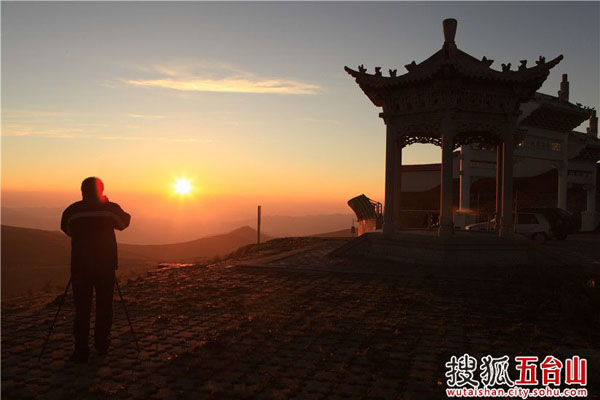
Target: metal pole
62,300
127,315
258,225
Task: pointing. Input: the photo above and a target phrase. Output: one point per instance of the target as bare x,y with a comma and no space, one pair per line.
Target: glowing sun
183,186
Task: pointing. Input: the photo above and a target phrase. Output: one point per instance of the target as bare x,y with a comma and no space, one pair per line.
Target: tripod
127,315
62,300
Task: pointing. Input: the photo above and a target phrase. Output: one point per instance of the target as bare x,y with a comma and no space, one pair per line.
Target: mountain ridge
37,259
145,230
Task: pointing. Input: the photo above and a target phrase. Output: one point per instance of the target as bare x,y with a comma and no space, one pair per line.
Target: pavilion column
562,186
507,220
398,146
591,193
589,216
390,175
499,167
446,226
465,178
591,199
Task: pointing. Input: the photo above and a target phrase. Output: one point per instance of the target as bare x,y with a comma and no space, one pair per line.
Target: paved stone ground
302,325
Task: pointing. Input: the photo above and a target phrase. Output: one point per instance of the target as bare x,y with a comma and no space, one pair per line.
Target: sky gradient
248,100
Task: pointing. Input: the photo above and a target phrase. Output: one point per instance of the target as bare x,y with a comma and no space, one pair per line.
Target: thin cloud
34,113
206,68
224,79
65,135
146,116
158,139
272,86
44,124
22,131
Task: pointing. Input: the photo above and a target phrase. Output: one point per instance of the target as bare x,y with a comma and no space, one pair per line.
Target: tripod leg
127,315
62,300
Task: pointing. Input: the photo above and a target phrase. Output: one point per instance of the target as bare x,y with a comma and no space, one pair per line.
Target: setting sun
183,186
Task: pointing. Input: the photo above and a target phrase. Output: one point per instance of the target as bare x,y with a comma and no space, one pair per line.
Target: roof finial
563,93
449,25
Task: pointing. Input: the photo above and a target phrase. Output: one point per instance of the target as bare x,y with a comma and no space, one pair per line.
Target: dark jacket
91,225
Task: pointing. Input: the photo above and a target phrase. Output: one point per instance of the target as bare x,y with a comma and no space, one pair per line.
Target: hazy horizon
150,229
248,101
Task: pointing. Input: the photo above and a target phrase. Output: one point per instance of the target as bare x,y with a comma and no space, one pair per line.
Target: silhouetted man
91,223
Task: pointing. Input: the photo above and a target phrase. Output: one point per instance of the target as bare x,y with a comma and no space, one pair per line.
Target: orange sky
248,100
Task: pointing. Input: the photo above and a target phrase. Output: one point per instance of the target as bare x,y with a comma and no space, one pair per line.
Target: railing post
258,226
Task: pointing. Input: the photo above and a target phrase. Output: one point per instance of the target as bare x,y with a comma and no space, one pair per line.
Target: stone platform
293,323
427,248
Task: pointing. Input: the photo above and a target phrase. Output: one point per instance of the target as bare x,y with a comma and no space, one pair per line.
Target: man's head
92,188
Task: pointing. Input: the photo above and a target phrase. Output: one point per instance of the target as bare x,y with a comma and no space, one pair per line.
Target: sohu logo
466,371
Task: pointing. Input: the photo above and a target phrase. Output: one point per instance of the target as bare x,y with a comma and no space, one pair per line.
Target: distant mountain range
34,259
196,250
145,230
304,225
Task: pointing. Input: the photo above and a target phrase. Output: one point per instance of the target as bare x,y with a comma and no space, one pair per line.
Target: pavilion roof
558,104
556,114
450,61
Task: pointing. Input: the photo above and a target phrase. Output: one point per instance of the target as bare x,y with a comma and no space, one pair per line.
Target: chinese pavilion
452,99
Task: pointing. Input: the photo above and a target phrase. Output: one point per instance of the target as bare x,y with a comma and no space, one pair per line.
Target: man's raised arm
121,218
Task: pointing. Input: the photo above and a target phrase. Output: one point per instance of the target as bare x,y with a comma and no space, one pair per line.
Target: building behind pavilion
555,166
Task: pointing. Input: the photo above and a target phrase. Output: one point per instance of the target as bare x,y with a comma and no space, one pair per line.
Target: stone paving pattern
304,325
